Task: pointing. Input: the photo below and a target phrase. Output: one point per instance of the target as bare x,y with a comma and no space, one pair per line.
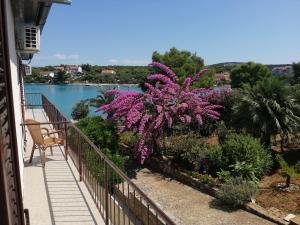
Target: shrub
96,166
105,137
213,159
186,148
297,167
101,133
80,110
236,192
244,156
288,171
129,138
165,102
224,175
204,178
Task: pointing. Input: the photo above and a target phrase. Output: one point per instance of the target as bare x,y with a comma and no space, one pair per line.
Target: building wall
15,84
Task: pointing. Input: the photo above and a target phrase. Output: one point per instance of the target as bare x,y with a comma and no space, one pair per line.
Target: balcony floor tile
53,195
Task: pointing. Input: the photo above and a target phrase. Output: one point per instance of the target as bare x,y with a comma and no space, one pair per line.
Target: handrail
123,175
128,200
45,123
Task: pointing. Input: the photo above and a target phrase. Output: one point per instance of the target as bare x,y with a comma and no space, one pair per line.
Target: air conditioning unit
31,42
27,69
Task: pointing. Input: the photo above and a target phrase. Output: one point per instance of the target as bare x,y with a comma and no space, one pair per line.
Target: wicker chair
43,140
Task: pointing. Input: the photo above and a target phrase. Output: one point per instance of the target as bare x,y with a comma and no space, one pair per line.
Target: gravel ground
187,206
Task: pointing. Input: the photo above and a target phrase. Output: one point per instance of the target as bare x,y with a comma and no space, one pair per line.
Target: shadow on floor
217,204
66,201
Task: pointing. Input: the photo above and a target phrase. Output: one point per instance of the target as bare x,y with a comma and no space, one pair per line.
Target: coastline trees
248,73
80,110
296,70
61,77
266,109
183,63
162,105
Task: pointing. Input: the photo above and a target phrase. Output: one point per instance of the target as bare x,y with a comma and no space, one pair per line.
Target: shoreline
92,84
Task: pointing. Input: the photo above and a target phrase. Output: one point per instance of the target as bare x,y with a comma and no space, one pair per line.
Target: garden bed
271,196
164,166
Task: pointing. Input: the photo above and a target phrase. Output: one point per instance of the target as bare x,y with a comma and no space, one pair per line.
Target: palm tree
267,109
101,99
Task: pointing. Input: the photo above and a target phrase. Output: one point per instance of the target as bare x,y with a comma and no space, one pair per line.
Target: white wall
15,84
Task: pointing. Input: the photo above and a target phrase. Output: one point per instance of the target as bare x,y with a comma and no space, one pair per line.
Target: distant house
73,69
282,70
47,74
111,72
219,77
59,68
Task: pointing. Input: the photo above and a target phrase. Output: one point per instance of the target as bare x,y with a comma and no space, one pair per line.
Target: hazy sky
126,32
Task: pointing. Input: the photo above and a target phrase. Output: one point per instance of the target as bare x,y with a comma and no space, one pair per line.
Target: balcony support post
106,192
79,157
66,140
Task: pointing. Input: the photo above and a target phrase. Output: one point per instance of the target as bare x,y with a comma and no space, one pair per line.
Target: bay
65,96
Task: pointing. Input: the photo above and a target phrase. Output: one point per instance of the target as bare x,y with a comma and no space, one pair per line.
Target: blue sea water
65,96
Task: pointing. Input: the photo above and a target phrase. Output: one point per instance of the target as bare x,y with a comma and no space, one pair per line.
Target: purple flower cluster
171,102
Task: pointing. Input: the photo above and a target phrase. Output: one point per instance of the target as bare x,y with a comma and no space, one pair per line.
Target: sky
126,32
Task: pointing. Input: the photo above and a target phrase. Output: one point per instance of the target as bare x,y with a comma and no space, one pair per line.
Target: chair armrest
55,132
49,132
46,129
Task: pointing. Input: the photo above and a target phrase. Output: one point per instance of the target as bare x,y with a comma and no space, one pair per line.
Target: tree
296,70
102,134
61,76
248,73
80,110
266,109
166,103
207,80
86,67
101,99
287,170
183,63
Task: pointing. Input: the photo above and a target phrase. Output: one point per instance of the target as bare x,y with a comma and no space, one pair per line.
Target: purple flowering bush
165,102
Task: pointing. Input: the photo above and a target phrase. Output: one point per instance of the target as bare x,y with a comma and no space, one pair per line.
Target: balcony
78,184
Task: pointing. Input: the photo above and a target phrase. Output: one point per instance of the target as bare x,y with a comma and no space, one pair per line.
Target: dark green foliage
207,80
96,166
244,156
295,89
208,128
193,153
297,167
268,108
288,171
104,136
296,70
236,156
80,110
248,73
286,78
101,133
124,75
237,192
61,77
129,138
186,149
86,67
36,79
213,159
183,63
101,99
